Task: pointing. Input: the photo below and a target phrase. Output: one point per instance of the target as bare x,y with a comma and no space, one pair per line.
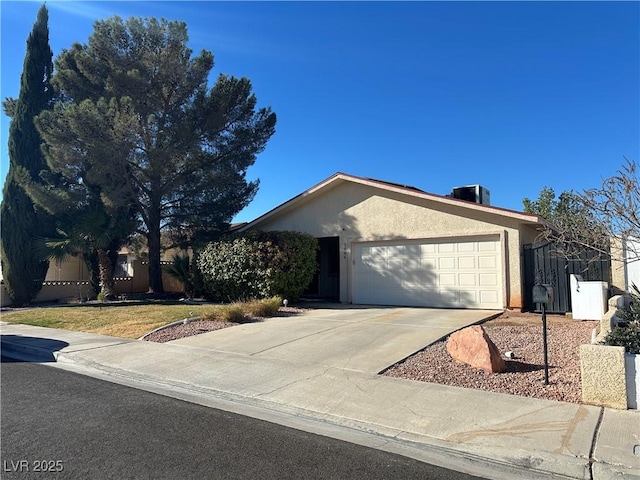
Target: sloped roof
410,191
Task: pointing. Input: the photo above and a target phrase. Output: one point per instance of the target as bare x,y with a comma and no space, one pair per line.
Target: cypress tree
22,222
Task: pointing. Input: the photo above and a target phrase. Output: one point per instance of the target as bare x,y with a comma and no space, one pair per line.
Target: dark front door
326,281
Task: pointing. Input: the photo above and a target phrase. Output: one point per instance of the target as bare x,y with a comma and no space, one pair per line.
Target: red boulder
473,346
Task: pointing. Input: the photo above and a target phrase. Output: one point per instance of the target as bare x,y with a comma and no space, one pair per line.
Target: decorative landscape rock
473,346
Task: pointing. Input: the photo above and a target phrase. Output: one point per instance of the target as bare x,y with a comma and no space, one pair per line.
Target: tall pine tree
138,120
22,269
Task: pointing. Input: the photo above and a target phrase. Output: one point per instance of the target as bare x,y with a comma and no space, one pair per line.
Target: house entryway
326,282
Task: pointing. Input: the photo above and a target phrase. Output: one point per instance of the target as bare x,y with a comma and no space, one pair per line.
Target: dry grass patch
119,320
130,320
264,308
240,311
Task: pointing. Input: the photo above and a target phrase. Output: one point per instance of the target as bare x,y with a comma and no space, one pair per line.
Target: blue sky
511,95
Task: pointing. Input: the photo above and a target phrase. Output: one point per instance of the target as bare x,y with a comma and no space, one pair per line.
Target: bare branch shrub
599,217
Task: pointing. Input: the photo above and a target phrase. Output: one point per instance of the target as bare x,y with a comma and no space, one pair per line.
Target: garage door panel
446,248
467,279
488,296
447,279
395,264
412,263
467,263
466,297
447,263
428,263
429,248
486,262
447,274
467,247
488,246
448,298
488,279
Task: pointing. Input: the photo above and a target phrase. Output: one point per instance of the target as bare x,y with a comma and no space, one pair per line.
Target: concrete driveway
365,339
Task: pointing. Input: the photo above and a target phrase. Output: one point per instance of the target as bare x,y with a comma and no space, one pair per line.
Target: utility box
472,193
588,299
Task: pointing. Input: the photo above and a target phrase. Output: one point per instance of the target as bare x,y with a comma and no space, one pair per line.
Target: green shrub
258,265
632,312
235,269
627,336
294,262
627,332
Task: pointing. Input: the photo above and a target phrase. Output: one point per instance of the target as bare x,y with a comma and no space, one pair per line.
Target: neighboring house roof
410,191
236,226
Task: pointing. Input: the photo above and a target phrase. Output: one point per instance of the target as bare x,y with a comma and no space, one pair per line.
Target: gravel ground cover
518,332
196,327
524,374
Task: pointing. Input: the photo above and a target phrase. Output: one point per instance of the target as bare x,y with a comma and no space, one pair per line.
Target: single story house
387,244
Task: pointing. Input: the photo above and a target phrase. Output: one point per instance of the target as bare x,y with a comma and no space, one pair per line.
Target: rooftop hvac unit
472,193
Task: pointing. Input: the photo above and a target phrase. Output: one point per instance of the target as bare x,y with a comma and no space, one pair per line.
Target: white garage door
457,274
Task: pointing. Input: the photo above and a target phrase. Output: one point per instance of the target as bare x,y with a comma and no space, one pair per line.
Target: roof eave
411,191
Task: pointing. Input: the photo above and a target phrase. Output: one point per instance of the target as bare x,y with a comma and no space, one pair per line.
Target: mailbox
542,294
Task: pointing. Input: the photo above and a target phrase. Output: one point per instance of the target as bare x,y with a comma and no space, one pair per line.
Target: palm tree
181,270
97,237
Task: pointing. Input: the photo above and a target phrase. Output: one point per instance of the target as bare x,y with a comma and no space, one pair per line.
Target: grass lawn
133,320
124,320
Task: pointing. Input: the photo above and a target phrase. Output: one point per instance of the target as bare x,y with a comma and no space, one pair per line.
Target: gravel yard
197,327
524,375
186,330
518,332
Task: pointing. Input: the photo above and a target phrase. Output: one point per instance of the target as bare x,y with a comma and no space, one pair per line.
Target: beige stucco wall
359,213
69,279
618,268
69,269
603,376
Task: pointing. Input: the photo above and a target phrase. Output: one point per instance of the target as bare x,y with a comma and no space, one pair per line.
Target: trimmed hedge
258,265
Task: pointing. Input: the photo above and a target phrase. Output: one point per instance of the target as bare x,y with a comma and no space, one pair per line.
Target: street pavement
319,372
58,424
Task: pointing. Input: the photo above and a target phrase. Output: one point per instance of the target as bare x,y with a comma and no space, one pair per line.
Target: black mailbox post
543,294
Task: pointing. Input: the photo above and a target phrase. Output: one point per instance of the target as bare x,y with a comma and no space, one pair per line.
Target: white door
451,273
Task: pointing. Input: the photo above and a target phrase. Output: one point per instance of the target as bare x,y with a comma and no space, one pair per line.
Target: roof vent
472,193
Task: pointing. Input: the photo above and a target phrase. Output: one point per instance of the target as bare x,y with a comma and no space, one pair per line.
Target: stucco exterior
360,210
602,370
625,264
70,269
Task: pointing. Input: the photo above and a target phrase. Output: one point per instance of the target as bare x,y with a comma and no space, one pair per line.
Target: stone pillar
603,376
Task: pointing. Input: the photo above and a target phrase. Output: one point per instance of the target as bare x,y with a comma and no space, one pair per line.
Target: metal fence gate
542,265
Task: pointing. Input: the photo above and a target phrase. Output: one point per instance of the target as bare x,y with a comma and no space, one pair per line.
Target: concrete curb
457,433
514,464
475,461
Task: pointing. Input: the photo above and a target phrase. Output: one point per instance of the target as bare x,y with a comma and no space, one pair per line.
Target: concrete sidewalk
482,433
